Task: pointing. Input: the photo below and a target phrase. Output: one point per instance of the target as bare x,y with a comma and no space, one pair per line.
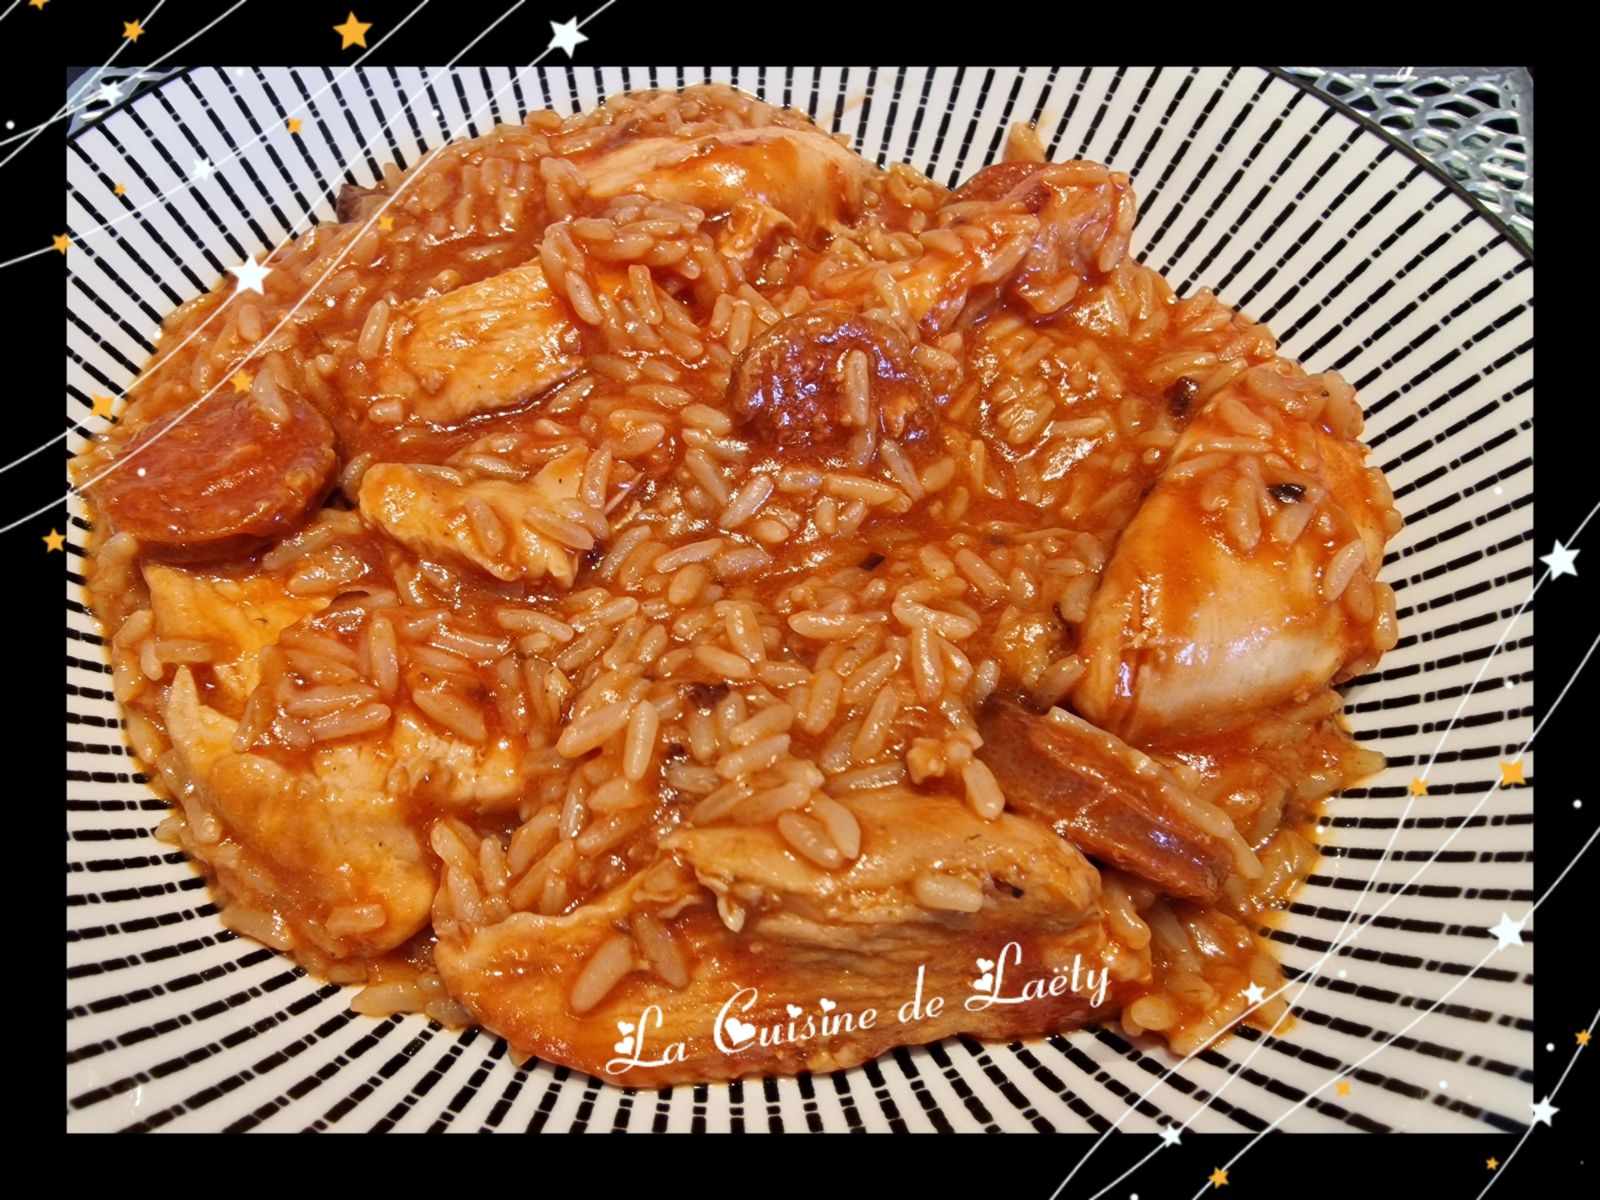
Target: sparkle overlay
566,37
1543,1111
251,275
1561,561
258,139
352,32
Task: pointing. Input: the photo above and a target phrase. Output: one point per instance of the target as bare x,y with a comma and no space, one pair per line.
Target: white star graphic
1255,993
1508,931
1560,561
250,275
202,167
109,92
566,37
1543,1111
1171,1135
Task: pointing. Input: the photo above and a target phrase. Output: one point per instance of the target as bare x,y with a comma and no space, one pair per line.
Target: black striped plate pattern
1360,256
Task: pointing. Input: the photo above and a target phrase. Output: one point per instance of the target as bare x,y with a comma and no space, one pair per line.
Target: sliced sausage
348,205
237,467
789,387
1090,794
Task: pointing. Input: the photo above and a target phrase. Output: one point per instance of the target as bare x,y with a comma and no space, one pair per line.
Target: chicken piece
905,837
485,346
483,778
224,476
807,939
433,516
237,616
998,181
301,845
1189,629
771,177
798,171
1037,231
1109,800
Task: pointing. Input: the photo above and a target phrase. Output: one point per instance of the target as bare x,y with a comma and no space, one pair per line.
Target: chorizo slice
1085,785
792,386
233,469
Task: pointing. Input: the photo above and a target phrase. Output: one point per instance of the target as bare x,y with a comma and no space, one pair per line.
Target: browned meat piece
301,847
235,469
1042,232
1189,631
429,515
935,888
348,206
1062,774
489,345
791,385
998,181
778,177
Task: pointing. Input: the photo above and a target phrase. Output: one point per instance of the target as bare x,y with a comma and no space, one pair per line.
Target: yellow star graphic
294,124
1583,1037
1342,1087
386,223
1219,1178
132,30
60,242
102,405
1419,787
353,32
119,189
1491,1163
241,382
54,540
37,3
1511,773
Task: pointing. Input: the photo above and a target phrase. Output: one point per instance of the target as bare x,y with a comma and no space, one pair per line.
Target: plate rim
1411,152
1282,73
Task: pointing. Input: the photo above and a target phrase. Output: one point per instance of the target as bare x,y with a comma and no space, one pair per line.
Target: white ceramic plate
1356,253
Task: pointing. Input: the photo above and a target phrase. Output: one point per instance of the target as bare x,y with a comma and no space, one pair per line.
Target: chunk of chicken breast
301,845
485,346
1190,629
770,177
237,616
855,938
433,516
463,775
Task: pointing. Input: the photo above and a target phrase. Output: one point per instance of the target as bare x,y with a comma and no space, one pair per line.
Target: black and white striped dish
1360,257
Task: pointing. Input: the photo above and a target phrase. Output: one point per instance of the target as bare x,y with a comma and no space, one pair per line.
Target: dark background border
37,47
